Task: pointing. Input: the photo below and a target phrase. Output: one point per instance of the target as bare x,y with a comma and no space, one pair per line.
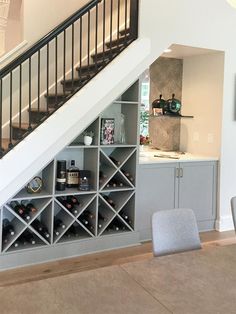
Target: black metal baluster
104,32
88,47
30,123
111,21
133,21
56,65
64,62
118,23
96,39
20,94
39,80
1,142
80,45
10,120
72,55
47,77
126,9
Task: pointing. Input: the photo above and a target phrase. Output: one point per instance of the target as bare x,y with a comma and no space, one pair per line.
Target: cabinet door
155,191
197,188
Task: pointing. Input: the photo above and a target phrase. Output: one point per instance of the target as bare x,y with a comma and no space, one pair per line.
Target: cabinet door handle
177,172
181,172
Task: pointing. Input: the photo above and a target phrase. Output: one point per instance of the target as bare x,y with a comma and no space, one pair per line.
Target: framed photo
107,131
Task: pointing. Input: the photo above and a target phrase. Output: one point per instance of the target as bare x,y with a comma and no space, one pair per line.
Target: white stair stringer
39,148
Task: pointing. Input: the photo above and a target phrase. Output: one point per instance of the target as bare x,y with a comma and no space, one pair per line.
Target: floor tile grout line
145,289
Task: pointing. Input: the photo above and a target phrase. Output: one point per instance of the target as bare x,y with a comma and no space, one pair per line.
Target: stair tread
58,94
123,31
76,80
24,126
5,143
92,65
41,110
121,40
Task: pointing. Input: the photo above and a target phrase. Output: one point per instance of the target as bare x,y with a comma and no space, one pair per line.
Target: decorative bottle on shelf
84,184
72,176
61,175
122,129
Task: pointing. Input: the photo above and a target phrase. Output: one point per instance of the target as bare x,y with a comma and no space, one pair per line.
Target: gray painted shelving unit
94,158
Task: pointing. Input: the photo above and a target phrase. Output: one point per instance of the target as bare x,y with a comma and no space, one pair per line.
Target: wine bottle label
72,178
61,180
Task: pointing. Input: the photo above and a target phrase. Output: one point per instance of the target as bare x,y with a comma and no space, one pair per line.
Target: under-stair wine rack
103,217
43,78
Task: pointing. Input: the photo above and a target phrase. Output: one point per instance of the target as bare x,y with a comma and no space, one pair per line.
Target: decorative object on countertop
144,140
173,106
158,106
107,131
35,185
88,137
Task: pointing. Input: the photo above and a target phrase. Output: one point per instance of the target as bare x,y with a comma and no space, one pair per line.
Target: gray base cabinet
171,185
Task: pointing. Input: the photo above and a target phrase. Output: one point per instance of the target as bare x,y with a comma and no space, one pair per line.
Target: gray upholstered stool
173,231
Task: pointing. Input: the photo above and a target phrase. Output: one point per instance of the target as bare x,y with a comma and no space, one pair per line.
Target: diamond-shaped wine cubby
118,155
117,182
128,169
12,227
74,233
116,200
46,176
106,171
105,214
88,219
116,226
62,221
26,240
126,213
42,224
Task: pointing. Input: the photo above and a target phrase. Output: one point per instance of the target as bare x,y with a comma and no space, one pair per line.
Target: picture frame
107,131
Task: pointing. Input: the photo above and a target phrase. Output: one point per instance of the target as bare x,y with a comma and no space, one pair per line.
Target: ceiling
181,52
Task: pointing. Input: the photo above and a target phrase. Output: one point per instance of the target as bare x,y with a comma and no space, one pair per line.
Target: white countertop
150,155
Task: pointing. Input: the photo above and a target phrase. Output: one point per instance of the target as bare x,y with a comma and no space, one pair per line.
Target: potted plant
88,137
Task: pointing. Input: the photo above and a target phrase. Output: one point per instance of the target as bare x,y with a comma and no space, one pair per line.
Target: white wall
202,97
207,24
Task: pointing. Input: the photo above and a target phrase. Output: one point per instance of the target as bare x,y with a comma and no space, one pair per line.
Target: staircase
46,76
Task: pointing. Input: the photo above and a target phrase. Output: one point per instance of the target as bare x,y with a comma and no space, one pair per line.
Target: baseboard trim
224,223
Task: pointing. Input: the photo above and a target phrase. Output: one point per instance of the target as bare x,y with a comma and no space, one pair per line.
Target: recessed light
167,50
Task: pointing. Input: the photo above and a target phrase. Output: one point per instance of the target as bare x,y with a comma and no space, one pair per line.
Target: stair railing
45,76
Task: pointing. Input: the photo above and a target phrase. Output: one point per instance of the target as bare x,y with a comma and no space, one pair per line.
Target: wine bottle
61,175
102,177
117,183
74,230
20,210
58,223
128,175
41,228
109,201
8,228
73,200
88,214
72,176
65,203
28,237
115,161
29,206
102,218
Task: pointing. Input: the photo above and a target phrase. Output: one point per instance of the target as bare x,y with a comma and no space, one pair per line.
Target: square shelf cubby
94,129
85,159
46,176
